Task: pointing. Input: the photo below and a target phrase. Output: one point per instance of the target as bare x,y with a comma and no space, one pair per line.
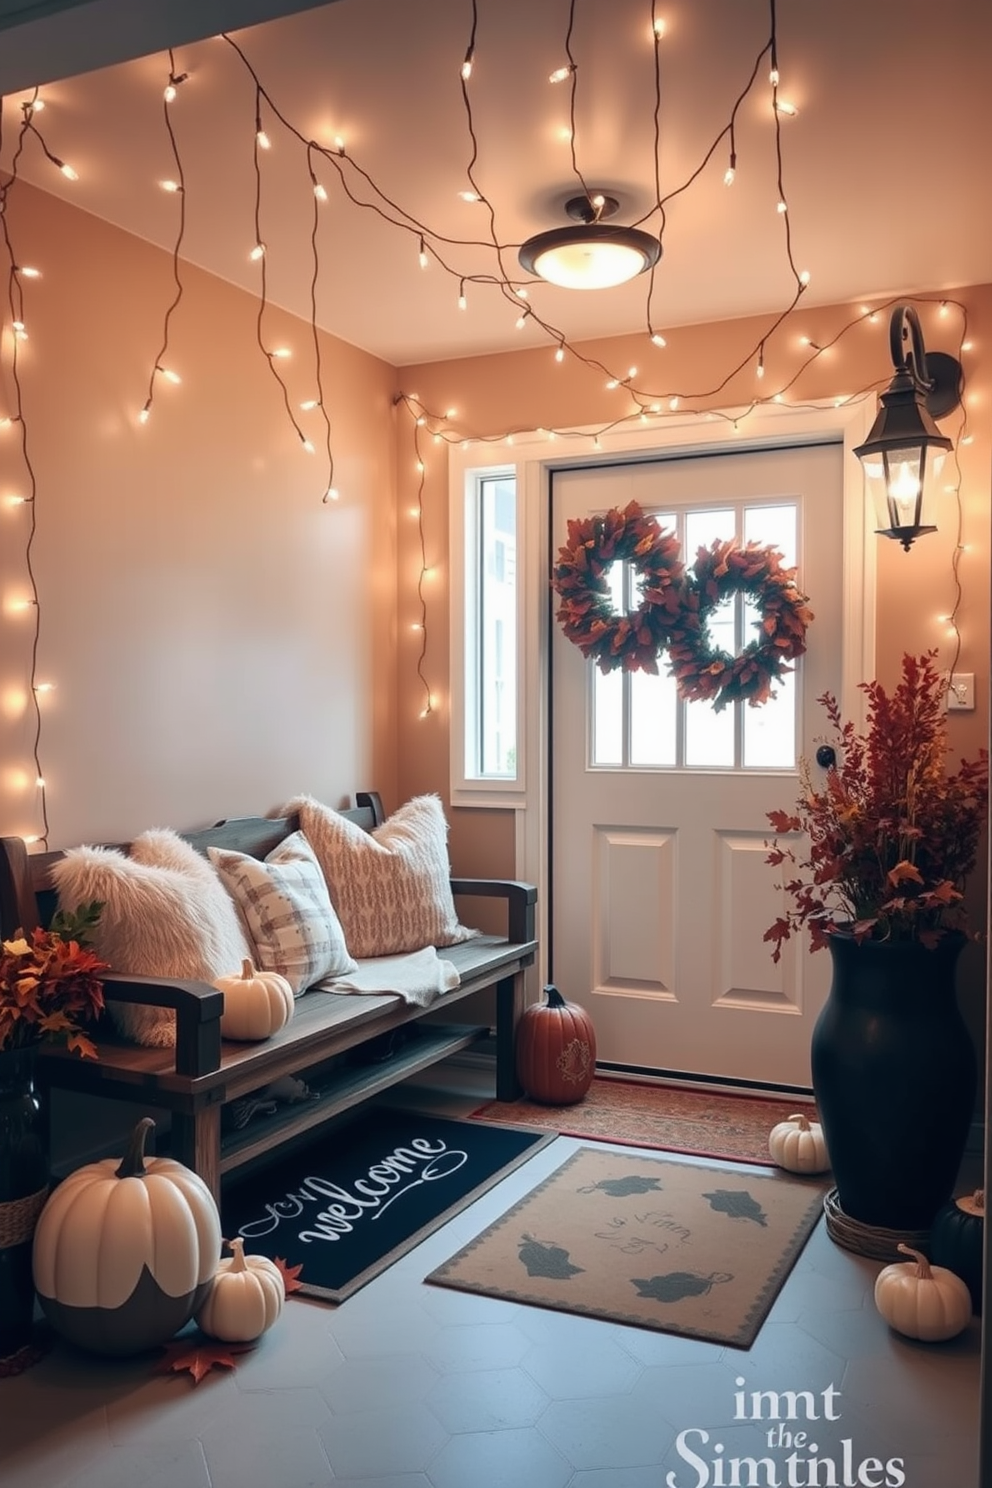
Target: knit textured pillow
287,911
165,914
390,887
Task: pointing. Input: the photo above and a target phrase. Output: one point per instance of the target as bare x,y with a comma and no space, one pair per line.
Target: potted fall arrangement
889,840
50,988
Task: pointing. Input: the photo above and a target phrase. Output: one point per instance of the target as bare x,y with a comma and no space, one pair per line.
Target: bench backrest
27,896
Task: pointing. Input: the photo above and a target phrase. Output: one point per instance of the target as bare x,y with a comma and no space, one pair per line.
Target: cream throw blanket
418,977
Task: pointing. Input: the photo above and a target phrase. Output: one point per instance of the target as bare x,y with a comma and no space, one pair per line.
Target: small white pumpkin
798,1145
256,1003
922,1301
244,1299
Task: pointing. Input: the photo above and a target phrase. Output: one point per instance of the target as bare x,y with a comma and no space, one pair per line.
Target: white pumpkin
798,1145
125,1250
256,1003
922,1301
244,1299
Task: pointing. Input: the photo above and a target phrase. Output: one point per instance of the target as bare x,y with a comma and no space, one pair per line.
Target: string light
467,64
257,252
27,271
462,301
423,254
561,74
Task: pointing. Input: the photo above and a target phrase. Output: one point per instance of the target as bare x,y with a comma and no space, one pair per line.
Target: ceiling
883,169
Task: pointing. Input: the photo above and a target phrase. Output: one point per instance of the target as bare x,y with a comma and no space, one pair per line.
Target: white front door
659,893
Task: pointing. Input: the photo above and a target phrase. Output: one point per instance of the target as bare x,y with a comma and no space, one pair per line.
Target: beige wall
220,639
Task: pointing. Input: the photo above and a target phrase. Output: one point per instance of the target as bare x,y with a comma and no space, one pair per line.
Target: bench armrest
521,899
198,1009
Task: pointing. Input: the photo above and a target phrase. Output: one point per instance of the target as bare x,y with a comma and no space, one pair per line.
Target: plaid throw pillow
287,912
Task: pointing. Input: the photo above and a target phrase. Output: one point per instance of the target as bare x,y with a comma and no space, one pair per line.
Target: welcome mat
346,1207
699,1249
665,1117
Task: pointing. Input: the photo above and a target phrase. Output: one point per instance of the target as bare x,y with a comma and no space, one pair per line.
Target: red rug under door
666,1117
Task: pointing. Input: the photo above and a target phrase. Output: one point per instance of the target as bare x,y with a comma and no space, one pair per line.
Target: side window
491,608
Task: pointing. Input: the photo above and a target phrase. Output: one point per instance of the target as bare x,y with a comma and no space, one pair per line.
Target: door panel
660,893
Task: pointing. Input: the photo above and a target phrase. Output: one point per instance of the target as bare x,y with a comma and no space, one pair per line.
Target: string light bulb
309,404
423,254
657,339
658,26
172,86
467,64
67,170
264,143
462,301
169,375
332,494
783,107
27,271
257,252
561,73
170,186
319,191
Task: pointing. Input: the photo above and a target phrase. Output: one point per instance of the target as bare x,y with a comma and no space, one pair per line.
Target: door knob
826,756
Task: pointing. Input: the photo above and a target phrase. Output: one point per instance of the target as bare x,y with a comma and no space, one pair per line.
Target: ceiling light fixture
593,254
905,451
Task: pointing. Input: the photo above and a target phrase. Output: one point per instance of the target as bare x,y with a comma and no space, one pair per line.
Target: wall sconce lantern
904,454
592,254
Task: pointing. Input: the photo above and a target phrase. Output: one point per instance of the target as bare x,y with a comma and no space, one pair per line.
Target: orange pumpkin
556,1050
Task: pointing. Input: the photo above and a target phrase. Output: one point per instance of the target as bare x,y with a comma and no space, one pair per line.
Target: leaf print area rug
700,1249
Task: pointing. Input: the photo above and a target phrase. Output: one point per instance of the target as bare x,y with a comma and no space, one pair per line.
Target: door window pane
653,718
607,741
638,720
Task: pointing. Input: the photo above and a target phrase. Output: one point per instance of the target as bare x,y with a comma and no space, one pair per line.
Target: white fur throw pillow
286,908
165,913
391,887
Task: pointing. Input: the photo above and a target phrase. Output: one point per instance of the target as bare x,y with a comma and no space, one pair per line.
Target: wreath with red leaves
704,672
586,613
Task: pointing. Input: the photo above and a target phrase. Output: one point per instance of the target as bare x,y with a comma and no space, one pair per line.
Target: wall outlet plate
961,693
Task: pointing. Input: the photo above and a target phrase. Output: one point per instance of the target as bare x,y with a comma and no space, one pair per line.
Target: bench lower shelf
339,1090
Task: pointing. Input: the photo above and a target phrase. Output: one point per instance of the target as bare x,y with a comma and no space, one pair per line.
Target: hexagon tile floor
412,1386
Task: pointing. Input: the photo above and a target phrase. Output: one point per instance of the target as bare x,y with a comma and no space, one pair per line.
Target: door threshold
723,1084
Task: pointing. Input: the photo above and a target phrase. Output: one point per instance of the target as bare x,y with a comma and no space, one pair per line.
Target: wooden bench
204,1072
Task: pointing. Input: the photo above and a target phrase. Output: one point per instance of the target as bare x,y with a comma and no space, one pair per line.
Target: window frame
465,529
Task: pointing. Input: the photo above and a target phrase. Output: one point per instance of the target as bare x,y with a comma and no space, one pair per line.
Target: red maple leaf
290,1275
199,1355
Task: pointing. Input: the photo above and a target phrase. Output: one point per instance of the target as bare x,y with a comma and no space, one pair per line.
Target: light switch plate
961,693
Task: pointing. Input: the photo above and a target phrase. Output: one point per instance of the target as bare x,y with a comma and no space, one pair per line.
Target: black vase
894,1075
23,1190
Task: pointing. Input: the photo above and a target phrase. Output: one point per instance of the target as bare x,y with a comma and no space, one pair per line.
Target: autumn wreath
704,672
586,611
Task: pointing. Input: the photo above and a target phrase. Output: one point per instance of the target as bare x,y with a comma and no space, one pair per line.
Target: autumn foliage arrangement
50,984
891,836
